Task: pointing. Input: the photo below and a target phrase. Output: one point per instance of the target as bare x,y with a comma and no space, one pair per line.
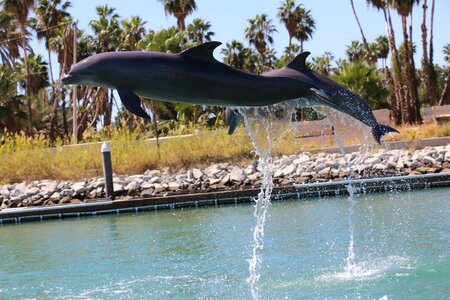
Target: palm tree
49,17
233,54
133,31
180,9
12,115
445,97
322,64
305,26
428,72
288,16
362,79
354,51
370,55
107,33
382,49
400,98
411,111
259,33
199,31
20,9
9,40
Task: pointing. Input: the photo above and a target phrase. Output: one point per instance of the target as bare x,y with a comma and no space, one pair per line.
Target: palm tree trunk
431,33
366,45
425,63
415,83
155,125
445,97
396,69
27,85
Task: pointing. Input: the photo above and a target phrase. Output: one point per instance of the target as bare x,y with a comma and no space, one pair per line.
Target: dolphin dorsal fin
299,62
203,51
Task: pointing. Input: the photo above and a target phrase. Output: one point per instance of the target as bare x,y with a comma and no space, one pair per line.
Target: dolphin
193,76
326,92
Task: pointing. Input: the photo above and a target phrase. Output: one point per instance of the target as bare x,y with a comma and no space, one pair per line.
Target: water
264,125
401,241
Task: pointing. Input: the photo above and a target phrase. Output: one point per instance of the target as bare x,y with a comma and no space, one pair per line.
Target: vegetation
34,102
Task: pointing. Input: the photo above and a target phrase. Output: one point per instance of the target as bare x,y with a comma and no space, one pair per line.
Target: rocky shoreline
301,168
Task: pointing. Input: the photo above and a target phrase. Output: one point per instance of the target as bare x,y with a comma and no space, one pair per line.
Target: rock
302,159
422,170
55,196
147,192
76,201
447,156
446,170
428,160
158,188
379,167
290,169
196,173
65,200
174,186
225,179
372,160
79,187
324,172
132,187
118,188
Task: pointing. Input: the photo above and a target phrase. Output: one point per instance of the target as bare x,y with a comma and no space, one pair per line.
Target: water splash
340,124
264,125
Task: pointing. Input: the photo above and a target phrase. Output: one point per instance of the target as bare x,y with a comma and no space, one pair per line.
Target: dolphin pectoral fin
132,103
232,119
380,130
321,93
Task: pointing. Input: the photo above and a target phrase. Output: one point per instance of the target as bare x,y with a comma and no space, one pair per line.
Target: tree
107,33
287,14
306,26
233,54
382,49
428,72
363,80
259,33
19,9
180,9
397,79
354,51
50,15
445,97
411,109
133,31
12,115
297,20
322,64
199,31
9,39
370,56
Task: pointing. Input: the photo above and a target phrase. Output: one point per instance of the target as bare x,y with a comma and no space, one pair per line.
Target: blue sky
335,24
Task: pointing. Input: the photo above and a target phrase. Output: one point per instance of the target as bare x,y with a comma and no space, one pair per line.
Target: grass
28,159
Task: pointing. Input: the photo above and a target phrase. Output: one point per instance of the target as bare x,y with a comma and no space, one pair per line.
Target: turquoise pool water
401,247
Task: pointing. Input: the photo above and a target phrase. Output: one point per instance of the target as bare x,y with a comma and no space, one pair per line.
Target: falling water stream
264,126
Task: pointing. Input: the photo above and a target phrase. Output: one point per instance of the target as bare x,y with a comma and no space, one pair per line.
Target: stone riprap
301,168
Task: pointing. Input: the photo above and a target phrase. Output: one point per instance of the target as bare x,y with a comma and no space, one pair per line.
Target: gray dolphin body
327,92
193,76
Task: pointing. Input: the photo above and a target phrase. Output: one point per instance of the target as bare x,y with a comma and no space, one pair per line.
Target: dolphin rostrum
193,76
326,92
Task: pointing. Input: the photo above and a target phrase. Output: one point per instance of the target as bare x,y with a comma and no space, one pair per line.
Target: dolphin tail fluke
380,130
132,103
232,119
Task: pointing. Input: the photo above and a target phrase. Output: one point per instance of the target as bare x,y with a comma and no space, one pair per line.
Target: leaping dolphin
326,92
193,76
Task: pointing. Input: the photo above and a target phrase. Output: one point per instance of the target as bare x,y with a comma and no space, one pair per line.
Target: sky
335,25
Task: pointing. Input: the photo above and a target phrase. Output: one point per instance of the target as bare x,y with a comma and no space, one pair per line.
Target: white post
74,91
